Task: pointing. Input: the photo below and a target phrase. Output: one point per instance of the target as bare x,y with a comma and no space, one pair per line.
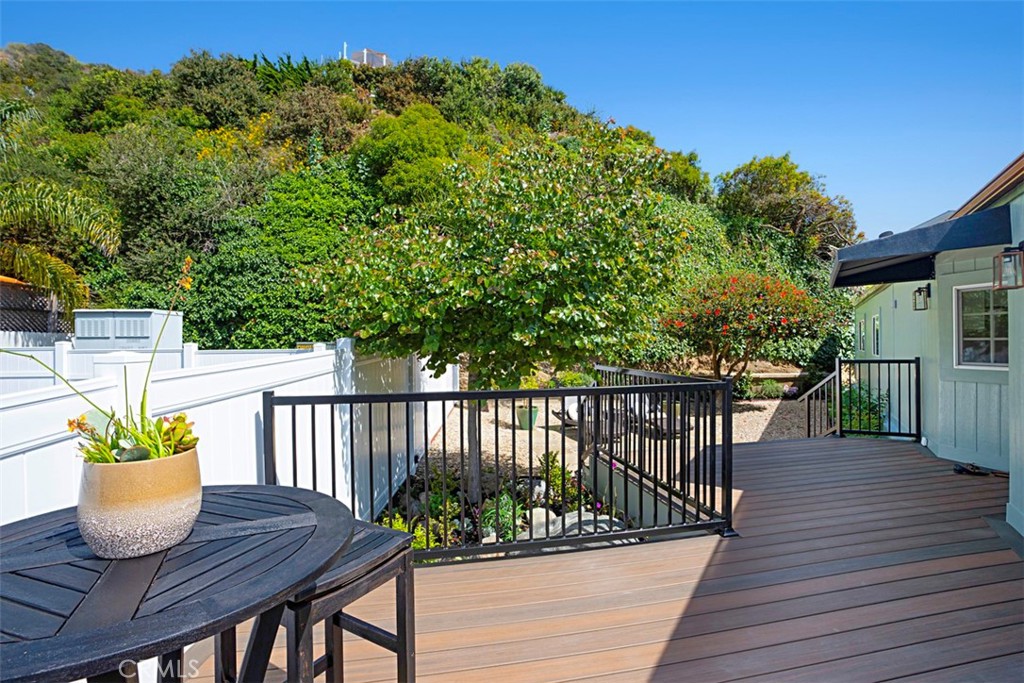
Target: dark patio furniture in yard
66,614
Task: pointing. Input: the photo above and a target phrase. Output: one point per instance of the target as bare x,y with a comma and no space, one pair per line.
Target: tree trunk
473,494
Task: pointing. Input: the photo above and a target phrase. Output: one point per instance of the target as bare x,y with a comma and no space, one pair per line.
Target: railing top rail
830,377
496,394
877,361
646,374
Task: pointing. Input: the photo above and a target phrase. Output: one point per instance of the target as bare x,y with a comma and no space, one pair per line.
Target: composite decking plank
851,551
974,642
993,670
714,564
650,636
814,659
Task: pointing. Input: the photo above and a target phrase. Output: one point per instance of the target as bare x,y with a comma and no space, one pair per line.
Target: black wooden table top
66,614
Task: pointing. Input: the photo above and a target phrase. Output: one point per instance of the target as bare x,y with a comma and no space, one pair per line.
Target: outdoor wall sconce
1008,268
921,296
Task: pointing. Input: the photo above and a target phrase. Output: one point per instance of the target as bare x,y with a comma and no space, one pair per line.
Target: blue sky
905,108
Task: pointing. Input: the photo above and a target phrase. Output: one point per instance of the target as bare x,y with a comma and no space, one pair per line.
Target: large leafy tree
775,193
538,254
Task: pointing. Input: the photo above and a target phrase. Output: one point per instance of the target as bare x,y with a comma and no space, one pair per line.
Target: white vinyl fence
39,465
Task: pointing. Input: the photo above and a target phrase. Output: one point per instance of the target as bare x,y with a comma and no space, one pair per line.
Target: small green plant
863,408
504,511
572,378
556,477
770,389
397,522
743,386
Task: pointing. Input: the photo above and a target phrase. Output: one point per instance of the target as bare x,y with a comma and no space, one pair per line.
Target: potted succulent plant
526,416
140,490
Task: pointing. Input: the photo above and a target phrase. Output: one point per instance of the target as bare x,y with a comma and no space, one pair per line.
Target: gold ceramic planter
129,509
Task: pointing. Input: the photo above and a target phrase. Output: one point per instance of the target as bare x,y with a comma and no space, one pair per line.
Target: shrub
863,408
770,389
732,316
572,378
504,511
743,386
397,522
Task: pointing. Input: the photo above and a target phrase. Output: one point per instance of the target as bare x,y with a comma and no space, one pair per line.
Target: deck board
859,560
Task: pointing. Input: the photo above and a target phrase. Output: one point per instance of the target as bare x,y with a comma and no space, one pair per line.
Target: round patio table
66,614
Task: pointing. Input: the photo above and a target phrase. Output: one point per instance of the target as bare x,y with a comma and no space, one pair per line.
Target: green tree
682,177
36,206
224,91
37,215
776,194
538,254
405,156
730,317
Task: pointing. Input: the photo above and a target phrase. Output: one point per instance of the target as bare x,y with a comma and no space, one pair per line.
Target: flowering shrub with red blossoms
730,317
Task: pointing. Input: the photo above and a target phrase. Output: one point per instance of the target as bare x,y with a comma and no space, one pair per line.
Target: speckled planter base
137,508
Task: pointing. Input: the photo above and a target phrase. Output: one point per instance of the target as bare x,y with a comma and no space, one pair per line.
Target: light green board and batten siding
965,412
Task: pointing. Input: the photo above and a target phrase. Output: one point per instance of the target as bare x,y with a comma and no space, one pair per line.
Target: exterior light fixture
921,296
1008,268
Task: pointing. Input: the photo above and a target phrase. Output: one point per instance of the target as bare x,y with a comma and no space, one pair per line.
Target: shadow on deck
859,560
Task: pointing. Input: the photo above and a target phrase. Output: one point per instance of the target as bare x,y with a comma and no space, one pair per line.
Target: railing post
917,399
839,397
727,531
269,462
807,418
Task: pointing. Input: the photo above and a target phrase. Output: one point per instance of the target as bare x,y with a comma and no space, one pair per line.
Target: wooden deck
860,560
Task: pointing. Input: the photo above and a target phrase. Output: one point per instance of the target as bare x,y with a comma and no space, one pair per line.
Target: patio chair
648,414
375,556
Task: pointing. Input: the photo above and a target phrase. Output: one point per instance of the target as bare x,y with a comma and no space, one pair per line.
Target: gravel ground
760,420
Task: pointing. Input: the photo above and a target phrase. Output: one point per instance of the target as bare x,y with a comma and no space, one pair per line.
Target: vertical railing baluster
295,450
312,438
391,466
373,470
446,541
352,456
427,474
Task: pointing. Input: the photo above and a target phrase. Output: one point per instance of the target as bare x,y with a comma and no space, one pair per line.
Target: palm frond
34,202
45,272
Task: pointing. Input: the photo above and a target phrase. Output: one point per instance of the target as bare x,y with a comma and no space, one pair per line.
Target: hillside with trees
430,206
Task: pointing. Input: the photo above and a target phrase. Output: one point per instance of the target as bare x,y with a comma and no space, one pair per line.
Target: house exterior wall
904,334
965,413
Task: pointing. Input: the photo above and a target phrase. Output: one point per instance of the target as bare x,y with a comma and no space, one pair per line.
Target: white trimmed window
982,327
861,335
876,336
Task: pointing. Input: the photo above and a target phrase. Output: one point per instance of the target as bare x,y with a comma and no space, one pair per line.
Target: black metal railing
820,403
878,398
474,473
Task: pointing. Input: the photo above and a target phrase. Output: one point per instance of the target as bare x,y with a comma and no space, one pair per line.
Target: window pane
974,301
1001,351
1000,325
975,326
999,300
975,351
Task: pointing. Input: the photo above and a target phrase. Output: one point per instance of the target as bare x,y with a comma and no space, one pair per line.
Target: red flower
725,328
679,323
783,321
718,311
733,280
751,316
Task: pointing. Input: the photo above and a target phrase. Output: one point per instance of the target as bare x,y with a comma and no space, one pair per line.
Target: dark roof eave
910,255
